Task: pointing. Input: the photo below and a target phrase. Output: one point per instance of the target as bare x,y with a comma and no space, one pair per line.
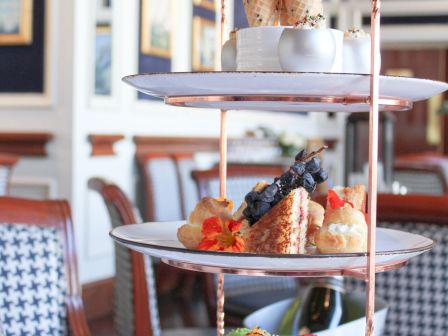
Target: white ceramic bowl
357,55
311,50
270,317
257,49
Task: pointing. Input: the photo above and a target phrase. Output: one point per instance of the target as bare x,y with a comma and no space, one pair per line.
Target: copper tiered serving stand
375,103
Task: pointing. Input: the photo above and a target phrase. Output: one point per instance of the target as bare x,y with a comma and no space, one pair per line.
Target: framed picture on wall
204,44
207,4
156,27
103,60
16,22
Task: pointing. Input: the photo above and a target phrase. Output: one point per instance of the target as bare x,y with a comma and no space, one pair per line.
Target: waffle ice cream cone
261,12
283,13
298,9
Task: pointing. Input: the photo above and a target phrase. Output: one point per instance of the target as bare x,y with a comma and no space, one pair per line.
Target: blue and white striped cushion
4,179
33,284
420,182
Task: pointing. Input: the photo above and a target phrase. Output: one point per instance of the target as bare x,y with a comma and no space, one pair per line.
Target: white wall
55,116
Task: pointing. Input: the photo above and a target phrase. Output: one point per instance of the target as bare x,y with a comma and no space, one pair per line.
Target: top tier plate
283,91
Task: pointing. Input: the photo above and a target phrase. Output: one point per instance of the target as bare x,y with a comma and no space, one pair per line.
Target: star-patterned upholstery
417,294
32,280
39,289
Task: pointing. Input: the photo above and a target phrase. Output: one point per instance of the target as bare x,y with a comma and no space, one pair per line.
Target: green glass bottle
322,307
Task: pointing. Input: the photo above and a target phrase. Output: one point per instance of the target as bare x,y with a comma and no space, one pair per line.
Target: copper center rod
373,164
222,177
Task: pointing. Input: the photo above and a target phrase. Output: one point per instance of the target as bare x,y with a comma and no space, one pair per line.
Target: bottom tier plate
159,239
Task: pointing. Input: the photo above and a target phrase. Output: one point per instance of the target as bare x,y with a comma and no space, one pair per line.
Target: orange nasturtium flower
221,235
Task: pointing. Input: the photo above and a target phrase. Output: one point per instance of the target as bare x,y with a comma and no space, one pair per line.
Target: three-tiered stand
279,91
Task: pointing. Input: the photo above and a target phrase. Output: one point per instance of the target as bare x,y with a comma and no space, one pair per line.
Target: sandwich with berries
278,216
274,218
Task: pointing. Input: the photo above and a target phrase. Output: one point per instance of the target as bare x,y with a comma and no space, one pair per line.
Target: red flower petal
208,244
212,226
234,226
238,245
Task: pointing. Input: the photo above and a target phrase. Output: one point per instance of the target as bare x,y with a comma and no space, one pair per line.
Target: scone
283,229
315,220
344,231
190,234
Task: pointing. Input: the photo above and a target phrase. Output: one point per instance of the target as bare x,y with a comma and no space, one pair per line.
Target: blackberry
299,168
308,182
313,165
320,176
259,208
252,197
270,190
286,179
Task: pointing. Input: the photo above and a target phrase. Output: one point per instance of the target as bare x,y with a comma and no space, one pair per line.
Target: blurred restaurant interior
71,129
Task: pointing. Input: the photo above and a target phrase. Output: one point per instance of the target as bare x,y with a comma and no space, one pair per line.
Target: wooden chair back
131,280
240,179
166,180
51,215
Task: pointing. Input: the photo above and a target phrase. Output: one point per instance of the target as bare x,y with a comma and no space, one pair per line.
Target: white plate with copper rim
283,91
159,239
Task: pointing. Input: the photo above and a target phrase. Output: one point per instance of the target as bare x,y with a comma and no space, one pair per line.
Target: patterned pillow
417,294
32,281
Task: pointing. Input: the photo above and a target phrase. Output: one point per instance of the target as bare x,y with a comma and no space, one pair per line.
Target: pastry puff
344,231
191,234
315,221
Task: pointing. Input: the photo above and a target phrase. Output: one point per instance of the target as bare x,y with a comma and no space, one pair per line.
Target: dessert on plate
283,228
344,229
274,218
191,234
280,218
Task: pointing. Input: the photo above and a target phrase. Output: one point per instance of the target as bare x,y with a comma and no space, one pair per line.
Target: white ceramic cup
357,55
311,50
339,52
228,56
257,49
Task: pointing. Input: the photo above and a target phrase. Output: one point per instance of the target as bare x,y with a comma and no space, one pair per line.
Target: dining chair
7,162
417,294
243,294
40,293
168,193
135,309
161,187
421,177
